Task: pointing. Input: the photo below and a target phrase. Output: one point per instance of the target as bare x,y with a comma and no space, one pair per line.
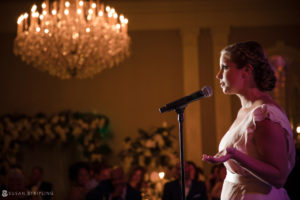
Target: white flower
87,139
48,129
94,124
142,161
27,124
91,147
61,132
55,119
85,125
42,121
76,131
96,157
62,118
127,145
59,129
165,133
102,122
159,139
150,144
80,121
148,153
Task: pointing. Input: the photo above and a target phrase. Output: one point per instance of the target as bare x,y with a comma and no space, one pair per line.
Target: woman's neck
249,96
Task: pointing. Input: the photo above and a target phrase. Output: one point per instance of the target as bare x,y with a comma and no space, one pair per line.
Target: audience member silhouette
79,176
102,191
212,179
136,178
217,188
15,185
122,190
38,184
194,189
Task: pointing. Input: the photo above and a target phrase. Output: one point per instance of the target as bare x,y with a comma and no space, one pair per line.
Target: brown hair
252,53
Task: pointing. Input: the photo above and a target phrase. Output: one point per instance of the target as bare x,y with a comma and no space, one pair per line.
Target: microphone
206,91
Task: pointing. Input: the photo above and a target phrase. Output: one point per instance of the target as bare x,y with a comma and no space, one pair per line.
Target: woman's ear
247,70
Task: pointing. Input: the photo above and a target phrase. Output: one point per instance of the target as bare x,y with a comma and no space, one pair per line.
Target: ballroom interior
174,50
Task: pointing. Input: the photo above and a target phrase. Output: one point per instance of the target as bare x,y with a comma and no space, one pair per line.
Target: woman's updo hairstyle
251,52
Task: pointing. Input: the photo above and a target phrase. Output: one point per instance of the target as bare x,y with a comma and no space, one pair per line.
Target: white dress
239,183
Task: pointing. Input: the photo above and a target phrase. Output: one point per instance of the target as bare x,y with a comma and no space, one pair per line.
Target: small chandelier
72,40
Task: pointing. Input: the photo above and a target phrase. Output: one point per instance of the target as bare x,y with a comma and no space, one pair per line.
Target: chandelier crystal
77,39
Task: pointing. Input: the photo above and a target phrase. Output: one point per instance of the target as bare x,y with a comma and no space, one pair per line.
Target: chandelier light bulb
98,41
66,11
67,4
33,9
20,19
115,15
53,12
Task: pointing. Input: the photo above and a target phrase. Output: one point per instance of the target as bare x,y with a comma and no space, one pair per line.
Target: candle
26,21
20,24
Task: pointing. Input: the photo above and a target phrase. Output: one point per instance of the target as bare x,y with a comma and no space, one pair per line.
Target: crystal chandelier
77,39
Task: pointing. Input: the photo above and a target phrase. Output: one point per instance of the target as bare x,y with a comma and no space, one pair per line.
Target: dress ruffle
273,113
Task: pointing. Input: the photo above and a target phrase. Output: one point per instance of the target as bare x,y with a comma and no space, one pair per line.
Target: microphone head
207,91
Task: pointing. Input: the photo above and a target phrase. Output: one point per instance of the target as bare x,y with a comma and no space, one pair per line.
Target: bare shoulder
268,100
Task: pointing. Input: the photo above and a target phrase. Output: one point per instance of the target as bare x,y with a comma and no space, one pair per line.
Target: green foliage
152,149
89,130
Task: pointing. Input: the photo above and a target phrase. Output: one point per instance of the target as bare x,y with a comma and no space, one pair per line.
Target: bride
258,150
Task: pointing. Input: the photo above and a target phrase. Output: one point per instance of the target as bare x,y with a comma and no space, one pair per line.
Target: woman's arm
272,164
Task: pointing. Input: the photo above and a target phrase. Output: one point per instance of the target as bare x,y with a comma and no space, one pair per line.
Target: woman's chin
226,90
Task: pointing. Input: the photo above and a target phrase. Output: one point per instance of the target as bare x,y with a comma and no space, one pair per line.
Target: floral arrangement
156,152
89,130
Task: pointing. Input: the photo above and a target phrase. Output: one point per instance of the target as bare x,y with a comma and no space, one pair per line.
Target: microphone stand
180,113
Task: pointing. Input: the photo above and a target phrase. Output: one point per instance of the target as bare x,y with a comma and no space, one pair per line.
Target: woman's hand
220,157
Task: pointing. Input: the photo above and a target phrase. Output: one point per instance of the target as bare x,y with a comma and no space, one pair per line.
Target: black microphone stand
180,113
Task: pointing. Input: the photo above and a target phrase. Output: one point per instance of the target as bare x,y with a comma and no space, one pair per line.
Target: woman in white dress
258,149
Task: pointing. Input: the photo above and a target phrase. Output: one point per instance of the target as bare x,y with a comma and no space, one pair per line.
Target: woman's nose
219,75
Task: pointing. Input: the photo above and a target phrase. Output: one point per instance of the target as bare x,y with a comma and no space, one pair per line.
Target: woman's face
83,177
137,176
193,172
230,76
